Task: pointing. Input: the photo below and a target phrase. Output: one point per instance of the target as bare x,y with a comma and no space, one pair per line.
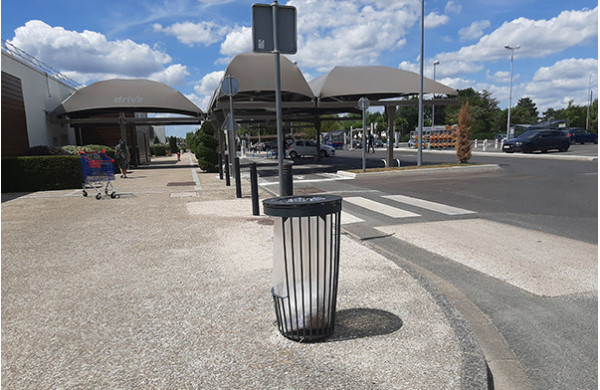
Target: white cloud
350,32
554,86
89,56
538,38
474,31
204,33
499,76
204,90
452,7
434,20
444,69
237,41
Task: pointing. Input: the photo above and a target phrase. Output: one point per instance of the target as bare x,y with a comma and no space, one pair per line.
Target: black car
543,140
581,136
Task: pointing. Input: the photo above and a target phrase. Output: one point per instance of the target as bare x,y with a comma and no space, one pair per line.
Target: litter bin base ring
317,327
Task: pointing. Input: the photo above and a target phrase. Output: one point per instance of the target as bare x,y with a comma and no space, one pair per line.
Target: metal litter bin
306,252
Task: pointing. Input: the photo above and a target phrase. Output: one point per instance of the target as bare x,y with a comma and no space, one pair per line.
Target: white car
303,147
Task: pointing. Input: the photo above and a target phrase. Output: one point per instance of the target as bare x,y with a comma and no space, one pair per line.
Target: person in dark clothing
122,157
371,139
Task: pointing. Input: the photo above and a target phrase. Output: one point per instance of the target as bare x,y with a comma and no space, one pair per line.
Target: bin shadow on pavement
359,323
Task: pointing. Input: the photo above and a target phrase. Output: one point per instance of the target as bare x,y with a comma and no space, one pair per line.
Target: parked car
581,136
378,143
500,137
303,147
356,144
543,140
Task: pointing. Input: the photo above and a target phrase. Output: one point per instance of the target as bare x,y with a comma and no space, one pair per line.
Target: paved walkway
168,287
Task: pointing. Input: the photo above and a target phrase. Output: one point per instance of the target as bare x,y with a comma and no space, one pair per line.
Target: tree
204,146
463,136
525,112
485,114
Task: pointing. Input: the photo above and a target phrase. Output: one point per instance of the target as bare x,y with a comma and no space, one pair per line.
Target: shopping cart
97,168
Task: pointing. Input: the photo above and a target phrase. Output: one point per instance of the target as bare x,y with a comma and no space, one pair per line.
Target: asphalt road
554,336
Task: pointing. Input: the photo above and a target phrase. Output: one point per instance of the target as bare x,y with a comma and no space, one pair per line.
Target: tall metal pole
364,138
587,115
232,151
280,143
420,132
512,52
435,63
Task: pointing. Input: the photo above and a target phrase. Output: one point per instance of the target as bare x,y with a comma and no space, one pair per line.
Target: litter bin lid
302,206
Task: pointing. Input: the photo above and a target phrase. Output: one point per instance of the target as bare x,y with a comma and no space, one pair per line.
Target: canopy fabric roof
349,83
126,95
255,73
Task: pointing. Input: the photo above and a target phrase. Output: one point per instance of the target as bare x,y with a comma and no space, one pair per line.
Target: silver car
304,147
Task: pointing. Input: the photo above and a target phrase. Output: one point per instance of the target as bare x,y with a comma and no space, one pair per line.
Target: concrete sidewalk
168,287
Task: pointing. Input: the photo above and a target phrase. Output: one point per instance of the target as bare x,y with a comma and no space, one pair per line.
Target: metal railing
22,55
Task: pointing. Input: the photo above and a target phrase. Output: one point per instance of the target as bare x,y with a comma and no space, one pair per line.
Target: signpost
230,87
274,31
363,104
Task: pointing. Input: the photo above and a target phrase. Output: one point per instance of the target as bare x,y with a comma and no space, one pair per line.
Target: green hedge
161,149
38,173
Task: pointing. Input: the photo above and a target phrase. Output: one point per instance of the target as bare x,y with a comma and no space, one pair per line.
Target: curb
506,155
475,373
416,171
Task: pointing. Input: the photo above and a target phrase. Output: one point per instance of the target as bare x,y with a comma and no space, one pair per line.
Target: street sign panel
363,103
227,124
230,86
262,28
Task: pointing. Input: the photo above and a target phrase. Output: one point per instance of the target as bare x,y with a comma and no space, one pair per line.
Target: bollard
398,160
476,141
496,143
227,178
287,179
220,167
254,189
384,162
238,180
484,145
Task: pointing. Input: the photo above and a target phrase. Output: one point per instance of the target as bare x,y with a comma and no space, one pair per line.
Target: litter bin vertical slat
306,264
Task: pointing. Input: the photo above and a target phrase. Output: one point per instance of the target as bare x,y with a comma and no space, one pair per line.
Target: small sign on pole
262,28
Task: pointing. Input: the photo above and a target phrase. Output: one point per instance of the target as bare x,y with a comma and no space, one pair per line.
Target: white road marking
541,263
433,206
194,167
380,208
349,218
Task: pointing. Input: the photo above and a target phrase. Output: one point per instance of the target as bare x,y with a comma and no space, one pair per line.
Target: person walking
122,156
371,138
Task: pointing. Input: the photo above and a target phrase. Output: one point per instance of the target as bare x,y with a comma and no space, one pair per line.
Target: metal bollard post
254,189
384,162
220,167
398,160
287,179
238,180
485,145
227,179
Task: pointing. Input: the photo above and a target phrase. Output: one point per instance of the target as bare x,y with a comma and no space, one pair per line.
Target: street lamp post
512,52
420,130
587,115
435,63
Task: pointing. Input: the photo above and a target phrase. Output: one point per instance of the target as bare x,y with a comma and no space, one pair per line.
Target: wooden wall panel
15,141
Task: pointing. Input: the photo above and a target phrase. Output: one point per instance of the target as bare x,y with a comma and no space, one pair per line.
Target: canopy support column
390,113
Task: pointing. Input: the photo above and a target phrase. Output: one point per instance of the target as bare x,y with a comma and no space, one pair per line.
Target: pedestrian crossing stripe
380,208
349,218
425,204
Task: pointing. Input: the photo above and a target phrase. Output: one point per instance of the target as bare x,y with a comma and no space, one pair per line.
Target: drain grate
181,183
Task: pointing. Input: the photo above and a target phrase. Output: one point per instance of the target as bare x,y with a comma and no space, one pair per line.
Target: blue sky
187,44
